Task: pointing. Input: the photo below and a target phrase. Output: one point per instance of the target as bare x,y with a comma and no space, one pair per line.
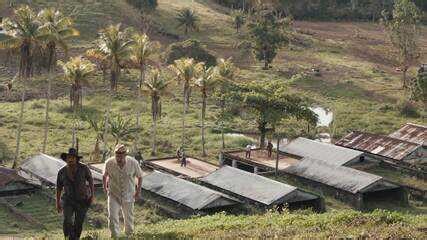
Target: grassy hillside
358,83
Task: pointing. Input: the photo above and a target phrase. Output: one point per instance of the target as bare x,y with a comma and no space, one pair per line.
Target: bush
190,48
144,5
408,109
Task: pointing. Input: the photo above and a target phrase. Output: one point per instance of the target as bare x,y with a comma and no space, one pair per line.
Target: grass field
358,83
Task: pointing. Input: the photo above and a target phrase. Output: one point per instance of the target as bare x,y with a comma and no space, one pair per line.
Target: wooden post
277,156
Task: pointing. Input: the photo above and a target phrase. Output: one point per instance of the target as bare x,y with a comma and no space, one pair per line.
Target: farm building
182,198
333,154
45,168
360,189
195,168
13,184
349,185
260,192
259,161
413,133
378,147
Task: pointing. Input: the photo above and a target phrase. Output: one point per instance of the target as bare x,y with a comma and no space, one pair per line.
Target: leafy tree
238,19
143,51
268,33
121,128
269,103
146,6
97,126
55,29
23,32
156,86
206,82
404,33
225,74
188,19
190,48
186,71
418,89
77,71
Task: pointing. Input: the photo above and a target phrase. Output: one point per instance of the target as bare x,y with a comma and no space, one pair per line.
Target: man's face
71,160
120,157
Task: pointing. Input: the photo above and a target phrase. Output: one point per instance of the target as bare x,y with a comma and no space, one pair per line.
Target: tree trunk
185,95
263,131
74,135
18,135
139,108
405,85
46,127
222,121
277,156
154,129
204,98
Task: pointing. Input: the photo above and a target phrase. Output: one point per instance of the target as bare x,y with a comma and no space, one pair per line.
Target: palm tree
23,32
55,29
226,72
205,82
142,52
188,19
114,47
156,85
186,70
121,128
238,19
77,71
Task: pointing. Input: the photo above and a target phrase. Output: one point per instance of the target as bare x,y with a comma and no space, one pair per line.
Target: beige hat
120,148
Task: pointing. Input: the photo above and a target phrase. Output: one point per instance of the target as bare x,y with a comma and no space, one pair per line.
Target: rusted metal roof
8,175
413,133
379,145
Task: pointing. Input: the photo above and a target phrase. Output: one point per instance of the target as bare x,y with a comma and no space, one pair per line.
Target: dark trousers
74,216
183,162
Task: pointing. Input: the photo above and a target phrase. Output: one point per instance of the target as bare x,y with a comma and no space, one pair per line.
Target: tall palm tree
156,85
205,83
114,47
226,72
186,70
142,52
238,19
187,19
23,32
77,71
55,29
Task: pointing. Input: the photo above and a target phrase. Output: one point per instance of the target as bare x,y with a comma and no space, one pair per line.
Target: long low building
260,191
182,198
45,169
335,155
349,185
381,147
12,184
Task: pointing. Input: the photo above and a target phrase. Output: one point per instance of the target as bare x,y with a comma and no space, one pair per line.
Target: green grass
302,225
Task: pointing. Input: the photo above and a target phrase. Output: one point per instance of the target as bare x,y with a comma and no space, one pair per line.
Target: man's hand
59,208
137,195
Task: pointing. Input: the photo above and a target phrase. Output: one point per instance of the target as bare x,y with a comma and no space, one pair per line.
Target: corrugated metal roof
335,155
46,168
377,144
413,133
248,185
340,177
8,175
184,192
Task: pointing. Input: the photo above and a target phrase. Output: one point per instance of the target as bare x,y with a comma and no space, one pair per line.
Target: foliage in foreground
379,224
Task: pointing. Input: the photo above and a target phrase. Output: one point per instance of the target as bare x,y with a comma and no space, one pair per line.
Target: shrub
144,5
408,109
190,48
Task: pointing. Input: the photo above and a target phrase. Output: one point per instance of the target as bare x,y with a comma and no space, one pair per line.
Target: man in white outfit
120,176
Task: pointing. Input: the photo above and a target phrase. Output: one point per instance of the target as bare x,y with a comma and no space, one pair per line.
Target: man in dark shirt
74,194
269,148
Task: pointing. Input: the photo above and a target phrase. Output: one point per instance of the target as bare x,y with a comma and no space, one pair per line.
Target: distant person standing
120,175
183,158
248,151
269,148
74,193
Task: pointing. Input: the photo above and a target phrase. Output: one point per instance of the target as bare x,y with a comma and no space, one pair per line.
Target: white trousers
114,208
